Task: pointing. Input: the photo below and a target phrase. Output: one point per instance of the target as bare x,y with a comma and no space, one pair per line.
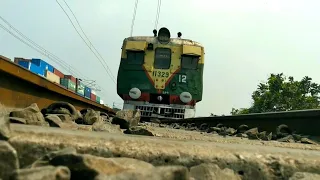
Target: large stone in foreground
106,127
249,161
8,160
42,173
88,166
127,118
91,117
45,160
158,173
5,131
212,171
31,114
305,176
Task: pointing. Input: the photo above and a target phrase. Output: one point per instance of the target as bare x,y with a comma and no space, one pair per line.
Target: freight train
161,76
44,69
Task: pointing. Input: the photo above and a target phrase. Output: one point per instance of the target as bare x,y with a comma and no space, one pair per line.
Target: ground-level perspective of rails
51,126
56,124
61,143
46,136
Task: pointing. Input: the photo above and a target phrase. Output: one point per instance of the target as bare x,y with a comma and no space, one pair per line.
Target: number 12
182,78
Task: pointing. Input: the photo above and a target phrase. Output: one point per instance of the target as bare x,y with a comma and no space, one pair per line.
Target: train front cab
152,109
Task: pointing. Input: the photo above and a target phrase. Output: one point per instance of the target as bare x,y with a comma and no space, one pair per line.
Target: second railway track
299,121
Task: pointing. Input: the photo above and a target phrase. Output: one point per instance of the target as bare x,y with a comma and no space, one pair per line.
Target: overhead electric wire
3,27
86,42
87,37
26,43
45,53
157,15
33,45
134,16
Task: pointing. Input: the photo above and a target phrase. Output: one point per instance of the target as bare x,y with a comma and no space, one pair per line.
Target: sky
244,40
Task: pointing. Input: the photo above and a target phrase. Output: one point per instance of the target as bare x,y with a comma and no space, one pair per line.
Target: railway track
299,121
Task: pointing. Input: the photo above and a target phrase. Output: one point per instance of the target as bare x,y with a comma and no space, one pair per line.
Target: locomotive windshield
189,62
162,58
135,57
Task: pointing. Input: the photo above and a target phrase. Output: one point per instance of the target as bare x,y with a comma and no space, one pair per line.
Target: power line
85,41
42,50
157,15
21,40
33,45
46,52
3,27
134,16
110,74
87,37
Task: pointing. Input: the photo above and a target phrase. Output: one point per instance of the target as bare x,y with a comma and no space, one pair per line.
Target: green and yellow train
160,75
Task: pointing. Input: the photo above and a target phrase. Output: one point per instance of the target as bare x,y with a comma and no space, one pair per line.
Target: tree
239,111
283,94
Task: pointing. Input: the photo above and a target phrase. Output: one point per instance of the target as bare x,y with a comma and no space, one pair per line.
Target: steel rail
299,121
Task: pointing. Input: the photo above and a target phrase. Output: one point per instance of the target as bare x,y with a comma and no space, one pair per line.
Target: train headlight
164,35
134,93
185,97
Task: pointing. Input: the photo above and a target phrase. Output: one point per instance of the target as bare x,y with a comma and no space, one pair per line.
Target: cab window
189,62
135,57
162,59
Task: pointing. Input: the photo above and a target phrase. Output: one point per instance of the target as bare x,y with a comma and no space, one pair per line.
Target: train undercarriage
161,111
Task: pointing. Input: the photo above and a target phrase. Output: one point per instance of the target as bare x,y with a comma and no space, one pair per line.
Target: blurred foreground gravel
62,143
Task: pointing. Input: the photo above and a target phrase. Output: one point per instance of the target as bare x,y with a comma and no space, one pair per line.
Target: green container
68,84
98,99
80,88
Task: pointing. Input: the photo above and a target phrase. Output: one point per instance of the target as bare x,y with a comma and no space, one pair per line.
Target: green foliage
283,94
239,111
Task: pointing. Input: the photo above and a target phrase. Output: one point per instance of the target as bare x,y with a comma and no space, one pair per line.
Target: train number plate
160,74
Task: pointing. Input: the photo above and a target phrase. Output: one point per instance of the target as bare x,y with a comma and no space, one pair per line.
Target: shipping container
67,83
43,64
87,92
58,73
17,59
36,69
79,82
73,79
101,101
31,67
80,88
52,77
80,94
98,99
25,64
93,97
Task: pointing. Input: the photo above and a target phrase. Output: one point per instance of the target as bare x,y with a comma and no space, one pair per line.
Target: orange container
93,97
58,73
